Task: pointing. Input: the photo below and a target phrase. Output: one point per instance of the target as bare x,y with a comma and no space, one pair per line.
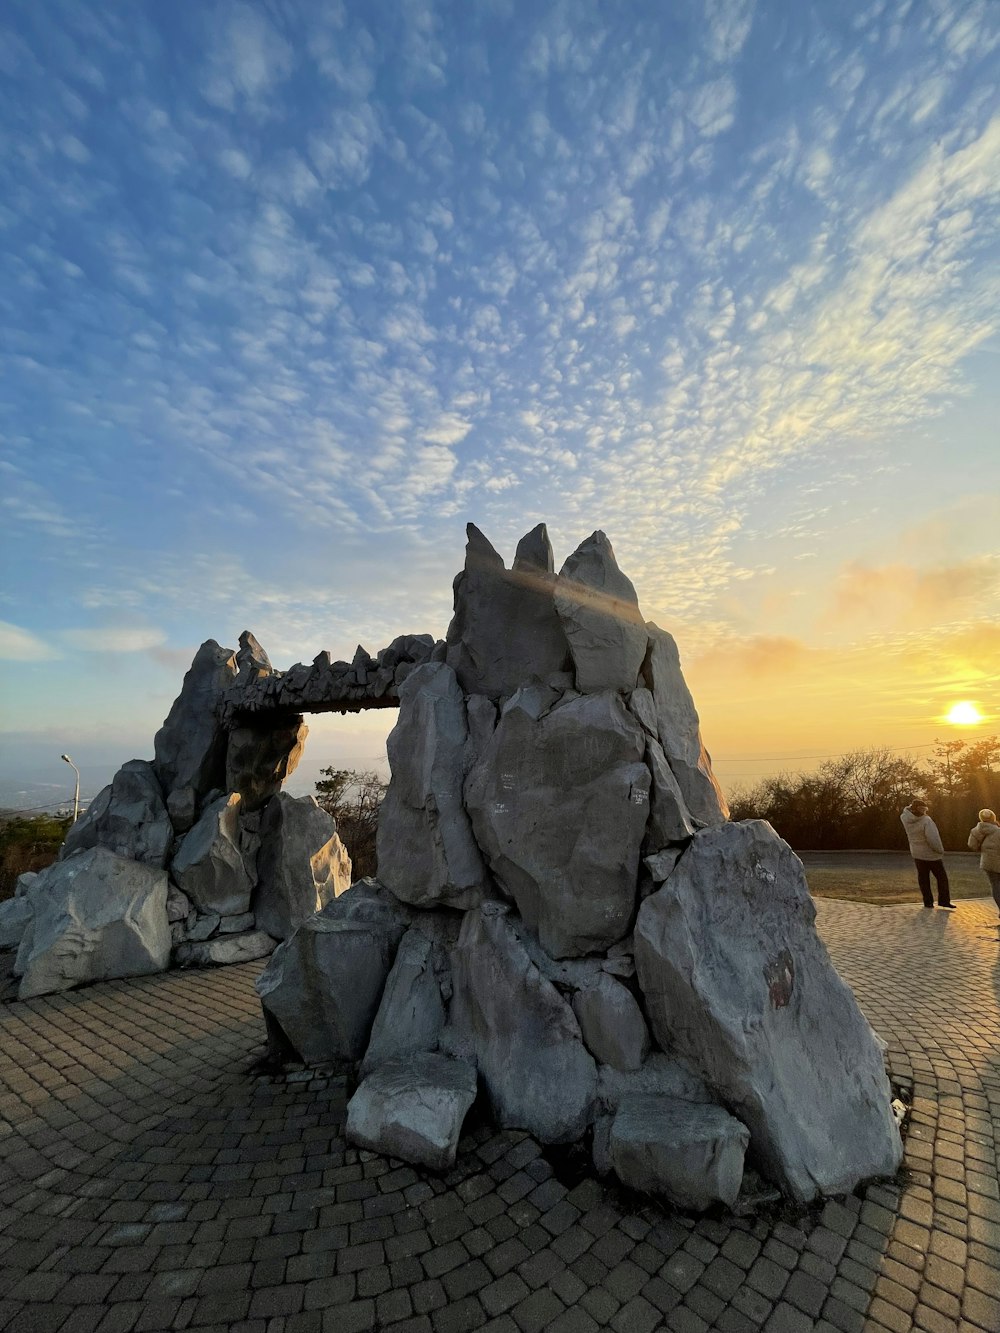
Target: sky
290,292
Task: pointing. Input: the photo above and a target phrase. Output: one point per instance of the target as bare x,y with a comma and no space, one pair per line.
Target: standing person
927,851
985,839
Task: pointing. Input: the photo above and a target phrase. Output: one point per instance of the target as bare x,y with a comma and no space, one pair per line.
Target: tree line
855,799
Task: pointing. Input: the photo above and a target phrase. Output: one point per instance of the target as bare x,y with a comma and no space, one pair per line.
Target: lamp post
76,793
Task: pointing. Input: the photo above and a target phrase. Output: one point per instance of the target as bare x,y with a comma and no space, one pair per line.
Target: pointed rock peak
534,551
479,551
593,563
212,654
599,610
251,654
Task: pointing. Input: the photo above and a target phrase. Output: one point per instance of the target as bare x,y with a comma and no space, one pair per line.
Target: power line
776,758
29,809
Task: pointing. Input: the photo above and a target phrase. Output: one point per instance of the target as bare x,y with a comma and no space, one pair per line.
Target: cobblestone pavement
153,1178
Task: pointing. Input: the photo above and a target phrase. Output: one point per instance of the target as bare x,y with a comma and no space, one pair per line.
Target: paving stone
704,1303
537,1311
164,1184
981,1309
843,1317
573,1321
637,1316
766,1277
786,1318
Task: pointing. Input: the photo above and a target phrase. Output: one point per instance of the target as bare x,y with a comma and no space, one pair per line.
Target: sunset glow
964,714
292,292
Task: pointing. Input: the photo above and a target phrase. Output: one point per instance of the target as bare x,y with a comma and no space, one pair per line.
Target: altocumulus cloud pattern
308,273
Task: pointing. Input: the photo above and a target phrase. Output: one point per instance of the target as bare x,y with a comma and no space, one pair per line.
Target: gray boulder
520,1031
301,864
321,989
505,630
427,854
182,807
481,715
225,949
209,866
737,981
411,1014
612,1024
559,802
599,611
201,927
679,731
128,817
178,905
691,1154
252,662
660,1075
94,917
413,1108
660,865
259,758
669,818
15,917
236,925
190,747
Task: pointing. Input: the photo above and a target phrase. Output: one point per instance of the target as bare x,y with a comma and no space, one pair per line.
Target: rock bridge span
259,695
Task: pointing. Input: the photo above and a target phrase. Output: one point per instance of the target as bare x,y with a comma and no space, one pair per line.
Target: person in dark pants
927,851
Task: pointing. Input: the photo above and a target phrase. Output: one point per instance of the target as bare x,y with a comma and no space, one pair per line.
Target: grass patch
890,887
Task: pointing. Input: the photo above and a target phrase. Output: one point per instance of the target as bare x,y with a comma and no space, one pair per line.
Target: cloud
236,162
20,645
755,655
449,429
248,58
112,640
728,24
341,152
711,108
904,595
362,323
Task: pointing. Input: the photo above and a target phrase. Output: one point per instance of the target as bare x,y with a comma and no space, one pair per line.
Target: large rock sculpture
679,730
559,802
693,1154
631,968
426,850
737,980
599,611
505,630
191,745
322,987
209,866
260,757
564,918
128,817
301,864
524,1036
413,1108
93,917
412,1012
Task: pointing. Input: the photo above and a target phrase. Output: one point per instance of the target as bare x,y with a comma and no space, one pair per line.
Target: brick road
152,1177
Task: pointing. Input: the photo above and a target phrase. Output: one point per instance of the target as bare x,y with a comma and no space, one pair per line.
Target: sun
965,714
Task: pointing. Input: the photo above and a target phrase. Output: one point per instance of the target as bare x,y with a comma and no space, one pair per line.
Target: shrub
28,844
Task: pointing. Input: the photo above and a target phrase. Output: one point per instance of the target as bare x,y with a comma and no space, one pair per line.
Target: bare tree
353,797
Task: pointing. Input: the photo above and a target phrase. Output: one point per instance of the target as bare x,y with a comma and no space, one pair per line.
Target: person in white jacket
927,851
985,839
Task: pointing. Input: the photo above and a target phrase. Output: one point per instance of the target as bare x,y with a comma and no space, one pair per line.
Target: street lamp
76,794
